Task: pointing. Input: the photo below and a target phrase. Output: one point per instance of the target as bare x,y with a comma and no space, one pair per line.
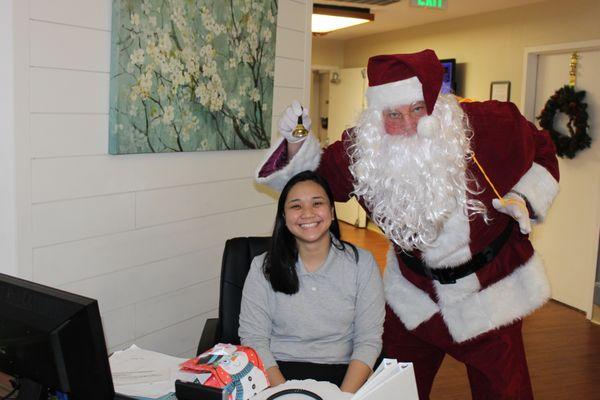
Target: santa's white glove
515,206
289,120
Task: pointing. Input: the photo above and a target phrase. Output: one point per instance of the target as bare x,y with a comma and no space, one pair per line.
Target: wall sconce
327,18
335,77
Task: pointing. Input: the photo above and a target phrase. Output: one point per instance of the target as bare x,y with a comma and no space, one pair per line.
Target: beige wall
488,47
327,52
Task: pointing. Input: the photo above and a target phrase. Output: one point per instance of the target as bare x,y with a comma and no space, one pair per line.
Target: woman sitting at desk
312,305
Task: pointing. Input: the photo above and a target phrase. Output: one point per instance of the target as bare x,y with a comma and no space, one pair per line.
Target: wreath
570,102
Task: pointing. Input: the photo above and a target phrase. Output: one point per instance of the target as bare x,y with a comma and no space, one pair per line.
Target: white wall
143,234
8,246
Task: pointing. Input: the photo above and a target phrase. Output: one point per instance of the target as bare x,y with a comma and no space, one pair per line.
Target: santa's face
412,183
403,119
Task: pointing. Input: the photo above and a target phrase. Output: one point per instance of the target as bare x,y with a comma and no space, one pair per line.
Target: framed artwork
500,90
191,75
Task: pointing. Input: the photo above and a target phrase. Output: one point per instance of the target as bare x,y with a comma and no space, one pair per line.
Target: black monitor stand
195,391
30,390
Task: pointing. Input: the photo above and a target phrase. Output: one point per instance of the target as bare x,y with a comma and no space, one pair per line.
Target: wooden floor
563,347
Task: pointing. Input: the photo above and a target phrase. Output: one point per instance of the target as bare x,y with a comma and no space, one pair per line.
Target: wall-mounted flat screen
449,82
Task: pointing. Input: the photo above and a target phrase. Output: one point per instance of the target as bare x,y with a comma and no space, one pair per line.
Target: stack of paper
391,380
148,374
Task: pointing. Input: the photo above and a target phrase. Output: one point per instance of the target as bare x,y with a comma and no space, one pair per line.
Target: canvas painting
191,75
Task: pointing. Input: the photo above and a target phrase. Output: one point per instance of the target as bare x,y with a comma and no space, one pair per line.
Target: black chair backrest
237,257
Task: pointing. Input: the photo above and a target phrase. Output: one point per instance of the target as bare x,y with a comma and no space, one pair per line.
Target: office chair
237,257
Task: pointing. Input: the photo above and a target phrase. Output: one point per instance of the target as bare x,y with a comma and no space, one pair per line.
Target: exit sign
429,3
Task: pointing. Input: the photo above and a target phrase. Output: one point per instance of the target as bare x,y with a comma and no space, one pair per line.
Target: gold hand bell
300,131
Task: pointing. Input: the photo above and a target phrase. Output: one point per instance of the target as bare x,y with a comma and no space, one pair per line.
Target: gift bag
236,369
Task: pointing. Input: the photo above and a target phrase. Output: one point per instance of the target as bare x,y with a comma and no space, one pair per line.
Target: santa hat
399,79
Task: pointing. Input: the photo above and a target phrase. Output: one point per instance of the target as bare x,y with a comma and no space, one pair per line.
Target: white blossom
168,115
254,95
137,57
135,20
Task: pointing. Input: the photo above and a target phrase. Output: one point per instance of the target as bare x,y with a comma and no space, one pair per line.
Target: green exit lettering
430,3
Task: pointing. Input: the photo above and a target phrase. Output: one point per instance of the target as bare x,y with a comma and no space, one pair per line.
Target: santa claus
455,187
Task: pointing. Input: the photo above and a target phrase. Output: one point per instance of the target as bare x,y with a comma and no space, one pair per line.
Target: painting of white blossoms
191,75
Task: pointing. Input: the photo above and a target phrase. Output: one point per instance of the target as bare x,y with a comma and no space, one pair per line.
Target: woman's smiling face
308,213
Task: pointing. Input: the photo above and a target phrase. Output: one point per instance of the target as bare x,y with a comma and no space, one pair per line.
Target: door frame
530,72
530,69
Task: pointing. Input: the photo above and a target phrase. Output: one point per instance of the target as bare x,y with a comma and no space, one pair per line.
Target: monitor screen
53,340
449,82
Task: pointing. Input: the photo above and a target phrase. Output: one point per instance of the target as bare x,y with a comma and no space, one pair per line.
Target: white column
8,233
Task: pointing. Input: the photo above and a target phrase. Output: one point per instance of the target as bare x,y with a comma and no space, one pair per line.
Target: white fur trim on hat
395,93
471,313
540,188
308,157
412,305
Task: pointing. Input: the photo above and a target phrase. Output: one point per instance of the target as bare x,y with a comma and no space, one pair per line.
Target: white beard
412,185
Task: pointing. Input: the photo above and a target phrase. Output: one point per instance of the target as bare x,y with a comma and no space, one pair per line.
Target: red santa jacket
515,155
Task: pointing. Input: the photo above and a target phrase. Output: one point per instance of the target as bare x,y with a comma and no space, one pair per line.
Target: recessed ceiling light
327,18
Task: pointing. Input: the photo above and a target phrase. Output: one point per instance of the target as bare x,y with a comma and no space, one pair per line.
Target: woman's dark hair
279,265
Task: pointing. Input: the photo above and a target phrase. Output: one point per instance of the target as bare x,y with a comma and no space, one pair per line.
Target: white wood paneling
292,14
275,129
289,72
133,285
153,314
72,177
167,205
64,91
290,43
119,325
64,46
56,135
180,339
8,206
283,97
76,219
88,13
69,262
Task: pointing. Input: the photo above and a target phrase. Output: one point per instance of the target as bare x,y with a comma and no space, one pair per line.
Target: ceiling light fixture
327,18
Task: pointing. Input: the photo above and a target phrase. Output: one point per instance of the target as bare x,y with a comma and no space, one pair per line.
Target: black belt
450,275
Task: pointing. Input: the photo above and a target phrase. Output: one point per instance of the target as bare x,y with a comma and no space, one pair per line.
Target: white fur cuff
540,188
308,157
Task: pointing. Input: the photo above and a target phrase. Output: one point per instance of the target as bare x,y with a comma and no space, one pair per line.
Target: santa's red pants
495,360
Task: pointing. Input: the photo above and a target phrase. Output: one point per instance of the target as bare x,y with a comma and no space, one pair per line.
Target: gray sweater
336,316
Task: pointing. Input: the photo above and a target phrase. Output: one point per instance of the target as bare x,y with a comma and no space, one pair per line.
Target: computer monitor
449,81
52,340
